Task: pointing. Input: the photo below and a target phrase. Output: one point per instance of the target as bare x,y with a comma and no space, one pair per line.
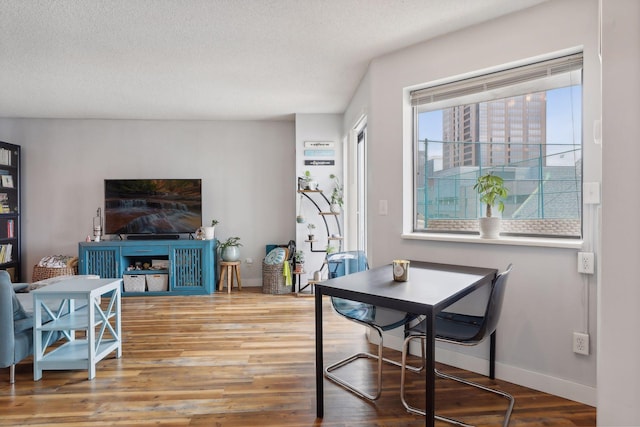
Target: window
524,124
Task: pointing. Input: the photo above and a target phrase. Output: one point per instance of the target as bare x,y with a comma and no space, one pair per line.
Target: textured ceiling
207,59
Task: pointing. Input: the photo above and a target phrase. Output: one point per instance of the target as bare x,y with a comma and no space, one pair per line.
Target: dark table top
430,287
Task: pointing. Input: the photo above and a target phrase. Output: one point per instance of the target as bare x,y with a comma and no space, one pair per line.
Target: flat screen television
152,206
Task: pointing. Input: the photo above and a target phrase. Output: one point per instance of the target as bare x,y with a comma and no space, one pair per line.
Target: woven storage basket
41,273
272,279
157,282
134,282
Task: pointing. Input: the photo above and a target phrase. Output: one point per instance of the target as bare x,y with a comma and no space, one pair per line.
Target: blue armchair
16,327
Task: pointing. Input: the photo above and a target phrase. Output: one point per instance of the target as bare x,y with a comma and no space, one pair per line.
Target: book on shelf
5,253
10,229
5,157
7,181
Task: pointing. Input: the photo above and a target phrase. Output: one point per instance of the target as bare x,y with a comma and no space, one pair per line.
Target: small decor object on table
400,270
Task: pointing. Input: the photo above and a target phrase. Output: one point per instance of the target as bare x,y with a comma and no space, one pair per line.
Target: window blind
492,82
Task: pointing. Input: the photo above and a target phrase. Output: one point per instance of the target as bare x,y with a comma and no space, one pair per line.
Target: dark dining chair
379,319
465,330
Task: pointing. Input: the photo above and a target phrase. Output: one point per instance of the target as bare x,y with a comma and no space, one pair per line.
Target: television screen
152,206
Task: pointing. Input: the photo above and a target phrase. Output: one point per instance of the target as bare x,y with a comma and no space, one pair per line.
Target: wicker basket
41,273
157,282
273,280
134,282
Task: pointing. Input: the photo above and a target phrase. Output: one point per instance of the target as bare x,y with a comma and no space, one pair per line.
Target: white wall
545,301
244,167
619,293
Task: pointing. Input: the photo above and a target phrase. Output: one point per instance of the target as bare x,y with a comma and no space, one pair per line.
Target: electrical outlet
581,343
586,262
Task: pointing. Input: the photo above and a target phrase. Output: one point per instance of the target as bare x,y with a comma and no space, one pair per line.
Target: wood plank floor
245,359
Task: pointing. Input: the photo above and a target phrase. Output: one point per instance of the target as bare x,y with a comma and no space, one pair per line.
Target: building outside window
524,124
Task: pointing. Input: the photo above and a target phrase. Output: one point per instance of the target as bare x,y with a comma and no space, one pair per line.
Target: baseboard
251,283
534,380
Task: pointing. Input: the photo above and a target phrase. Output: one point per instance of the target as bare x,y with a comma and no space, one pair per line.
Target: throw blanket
286,272
58,261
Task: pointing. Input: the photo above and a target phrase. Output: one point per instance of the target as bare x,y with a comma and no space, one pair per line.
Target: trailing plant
492,191
338,191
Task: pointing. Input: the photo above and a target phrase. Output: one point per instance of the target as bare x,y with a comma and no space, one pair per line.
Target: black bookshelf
10,232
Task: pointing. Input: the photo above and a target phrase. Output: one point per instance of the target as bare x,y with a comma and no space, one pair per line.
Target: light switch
383,207
591,193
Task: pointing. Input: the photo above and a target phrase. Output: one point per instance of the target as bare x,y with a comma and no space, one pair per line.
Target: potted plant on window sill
492,192
229,249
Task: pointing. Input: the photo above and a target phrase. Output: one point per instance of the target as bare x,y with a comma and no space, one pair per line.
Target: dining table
429,288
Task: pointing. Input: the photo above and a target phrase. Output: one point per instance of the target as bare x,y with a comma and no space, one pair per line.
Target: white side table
76,304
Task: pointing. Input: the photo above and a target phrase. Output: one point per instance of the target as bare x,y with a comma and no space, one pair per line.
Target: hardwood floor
245,359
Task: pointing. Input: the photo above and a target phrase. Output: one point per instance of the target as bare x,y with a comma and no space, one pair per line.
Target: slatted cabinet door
102,261
190,269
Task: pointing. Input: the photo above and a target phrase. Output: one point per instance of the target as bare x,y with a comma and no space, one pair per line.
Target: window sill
512,241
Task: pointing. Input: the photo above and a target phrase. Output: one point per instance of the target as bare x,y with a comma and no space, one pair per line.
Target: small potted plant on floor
336,194
492,192
229,249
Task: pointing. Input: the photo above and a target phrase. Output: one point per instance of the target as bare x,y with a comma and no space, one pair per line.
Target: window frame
575,63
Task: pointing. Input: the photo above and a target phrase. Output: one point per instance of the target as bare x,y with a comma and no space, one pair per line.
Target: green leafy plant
299,257
231,241
311,227
308,182
338,191
214,222
492,191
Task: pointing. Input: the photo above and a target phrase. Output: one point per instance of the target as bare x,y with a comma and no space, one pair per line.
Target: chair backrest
494,305
343,263
7,314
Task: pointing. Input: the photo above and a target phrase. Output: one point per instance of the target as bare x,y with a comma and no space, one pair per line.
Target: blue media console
190,265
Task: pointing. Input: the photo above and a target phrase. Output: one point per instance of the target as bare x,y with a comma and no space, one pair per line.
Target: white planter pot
209,232
231,253
489,227
335,208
